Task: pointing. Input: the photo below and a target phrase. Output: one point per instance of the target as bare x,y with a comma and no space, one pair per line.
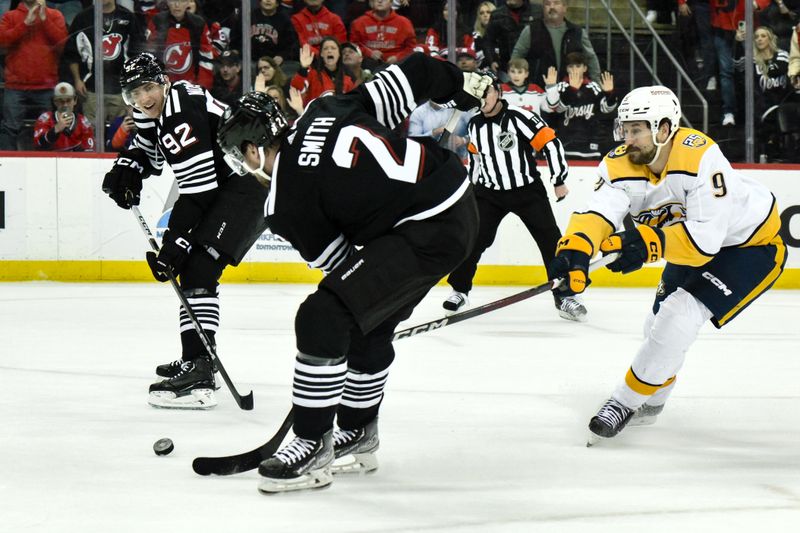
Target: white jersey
699,200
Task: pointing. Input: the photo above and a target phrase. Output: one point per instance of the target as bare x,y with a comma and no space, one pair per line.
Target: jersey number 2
345,154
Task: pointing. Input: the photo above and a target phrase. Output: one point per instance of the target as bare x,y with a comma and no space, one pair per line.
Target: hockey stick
449,127
244,402
243,462
493,306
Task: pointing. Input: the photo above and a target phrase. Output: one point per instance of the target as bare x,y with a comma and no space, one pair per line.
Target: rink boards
56,224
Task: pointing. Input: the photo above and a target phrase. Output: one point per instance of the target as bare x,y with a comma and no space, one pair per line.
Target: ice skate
646,415
169,370
191,388
172,369
571,309
608,422
302,464
354,450
457,301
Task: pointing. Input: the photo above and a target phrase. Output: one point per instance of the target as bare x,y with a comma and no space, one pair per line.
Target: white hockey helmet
652,105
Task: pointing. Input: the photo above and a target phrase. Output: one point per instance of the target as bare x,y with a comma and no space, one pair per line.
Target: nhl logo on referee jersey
506,141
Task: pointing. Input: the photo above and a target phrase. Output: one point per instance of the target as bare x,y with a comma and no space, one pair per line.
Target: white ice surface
482,430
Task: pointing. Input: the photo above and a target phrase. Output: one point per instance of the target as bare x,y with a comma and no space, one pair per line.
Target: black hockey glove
635,247
572,264
123,183
172,256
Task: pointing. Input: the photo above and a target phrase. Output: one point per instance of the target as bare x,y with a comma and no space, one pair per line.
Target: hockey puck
163,446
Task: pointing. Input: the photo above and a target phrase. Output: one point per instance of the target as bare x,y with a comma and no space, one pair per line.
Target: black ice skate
191,388
609,421
170,370
355,450
569,308
301,464
646,415
457,301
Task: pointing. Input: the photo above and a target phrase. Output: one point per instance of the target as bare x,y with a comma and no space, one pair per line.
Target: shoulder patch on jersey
619,151
694,141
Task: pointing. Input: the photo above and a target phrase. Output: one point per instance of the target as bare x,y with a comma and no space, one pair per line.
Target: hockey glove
636,247
172,256
123,183
474,92
572,263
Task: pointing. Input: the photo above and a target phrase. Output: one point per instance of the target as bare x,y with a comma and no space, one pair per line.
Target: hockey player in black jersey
213,223
384,216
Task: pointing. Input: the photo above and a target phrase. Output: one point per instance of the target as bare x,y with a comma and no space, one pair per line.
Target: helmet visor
137,95
235,160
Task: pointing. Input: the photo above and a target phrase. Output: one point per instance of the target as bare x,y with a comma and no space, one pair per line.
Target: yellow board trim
87,271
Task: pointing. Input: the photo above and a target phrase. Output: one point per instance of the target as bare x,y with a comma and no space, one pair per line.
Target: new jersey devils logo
112,46
178,58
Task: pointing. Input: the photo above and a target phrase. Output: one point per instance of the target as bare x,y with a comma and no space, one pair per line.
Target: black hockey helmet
254,118
137,71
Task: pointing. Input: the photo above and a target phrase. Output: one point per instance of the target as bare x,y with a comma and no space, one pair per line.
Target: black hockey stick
492,306
243,462
244,402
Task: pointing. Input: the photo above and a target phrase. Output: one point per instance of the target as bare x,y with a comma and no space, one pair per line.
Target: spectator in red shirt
63,130
182,41
314,22
323,76
382,34
33,36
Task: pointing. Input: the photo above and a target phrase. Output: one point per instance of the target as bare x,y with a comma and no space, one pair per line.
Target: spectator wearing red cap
382,34
314,22
33,36
63,130
466,59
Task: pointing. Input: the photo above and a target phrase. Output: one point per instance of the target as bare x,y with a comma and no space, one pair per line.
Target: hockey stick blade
493,306
243,462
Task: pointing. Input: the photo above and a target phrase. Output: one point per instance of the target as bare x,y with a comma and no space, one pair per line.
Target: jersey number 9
718,182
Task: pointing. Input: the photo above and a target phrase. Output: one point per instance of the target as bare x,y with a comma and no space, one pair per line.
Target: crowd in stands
302,49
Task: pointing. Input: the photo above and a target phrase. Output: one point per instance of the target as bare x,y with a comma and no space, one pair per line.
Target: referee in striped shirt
504,143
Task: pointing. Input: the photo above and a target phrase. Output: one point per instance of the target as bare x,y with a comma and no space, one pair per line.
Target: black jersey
343,177
184,137
123,38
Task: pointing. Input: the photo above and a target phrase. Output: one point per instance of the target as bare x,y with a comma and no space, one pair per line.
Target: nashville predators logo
506,141
619,151
661,216
694,141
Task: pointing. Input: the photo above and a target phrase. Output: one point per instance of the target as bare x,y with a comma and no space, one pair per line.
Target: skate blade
358,463
593,439
197,399
317,479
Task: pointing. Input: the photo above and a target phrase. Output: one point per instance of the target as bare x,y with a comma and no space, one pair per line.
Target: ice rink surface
483,428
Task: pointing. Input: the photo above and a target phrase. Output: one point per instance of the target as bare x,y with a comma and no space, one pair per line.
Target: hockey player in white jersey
213,223
716,228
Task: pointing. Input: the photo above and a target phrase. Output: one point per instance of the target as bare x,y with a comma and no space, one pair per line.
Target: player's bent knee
322,325
202,270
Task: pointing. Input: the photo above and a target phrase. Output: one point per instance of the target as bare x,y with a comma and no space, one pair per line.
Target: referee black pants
530,204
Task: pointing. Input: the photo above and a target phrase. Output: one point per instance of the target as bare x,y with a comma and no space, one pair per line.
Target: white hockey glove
473,94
